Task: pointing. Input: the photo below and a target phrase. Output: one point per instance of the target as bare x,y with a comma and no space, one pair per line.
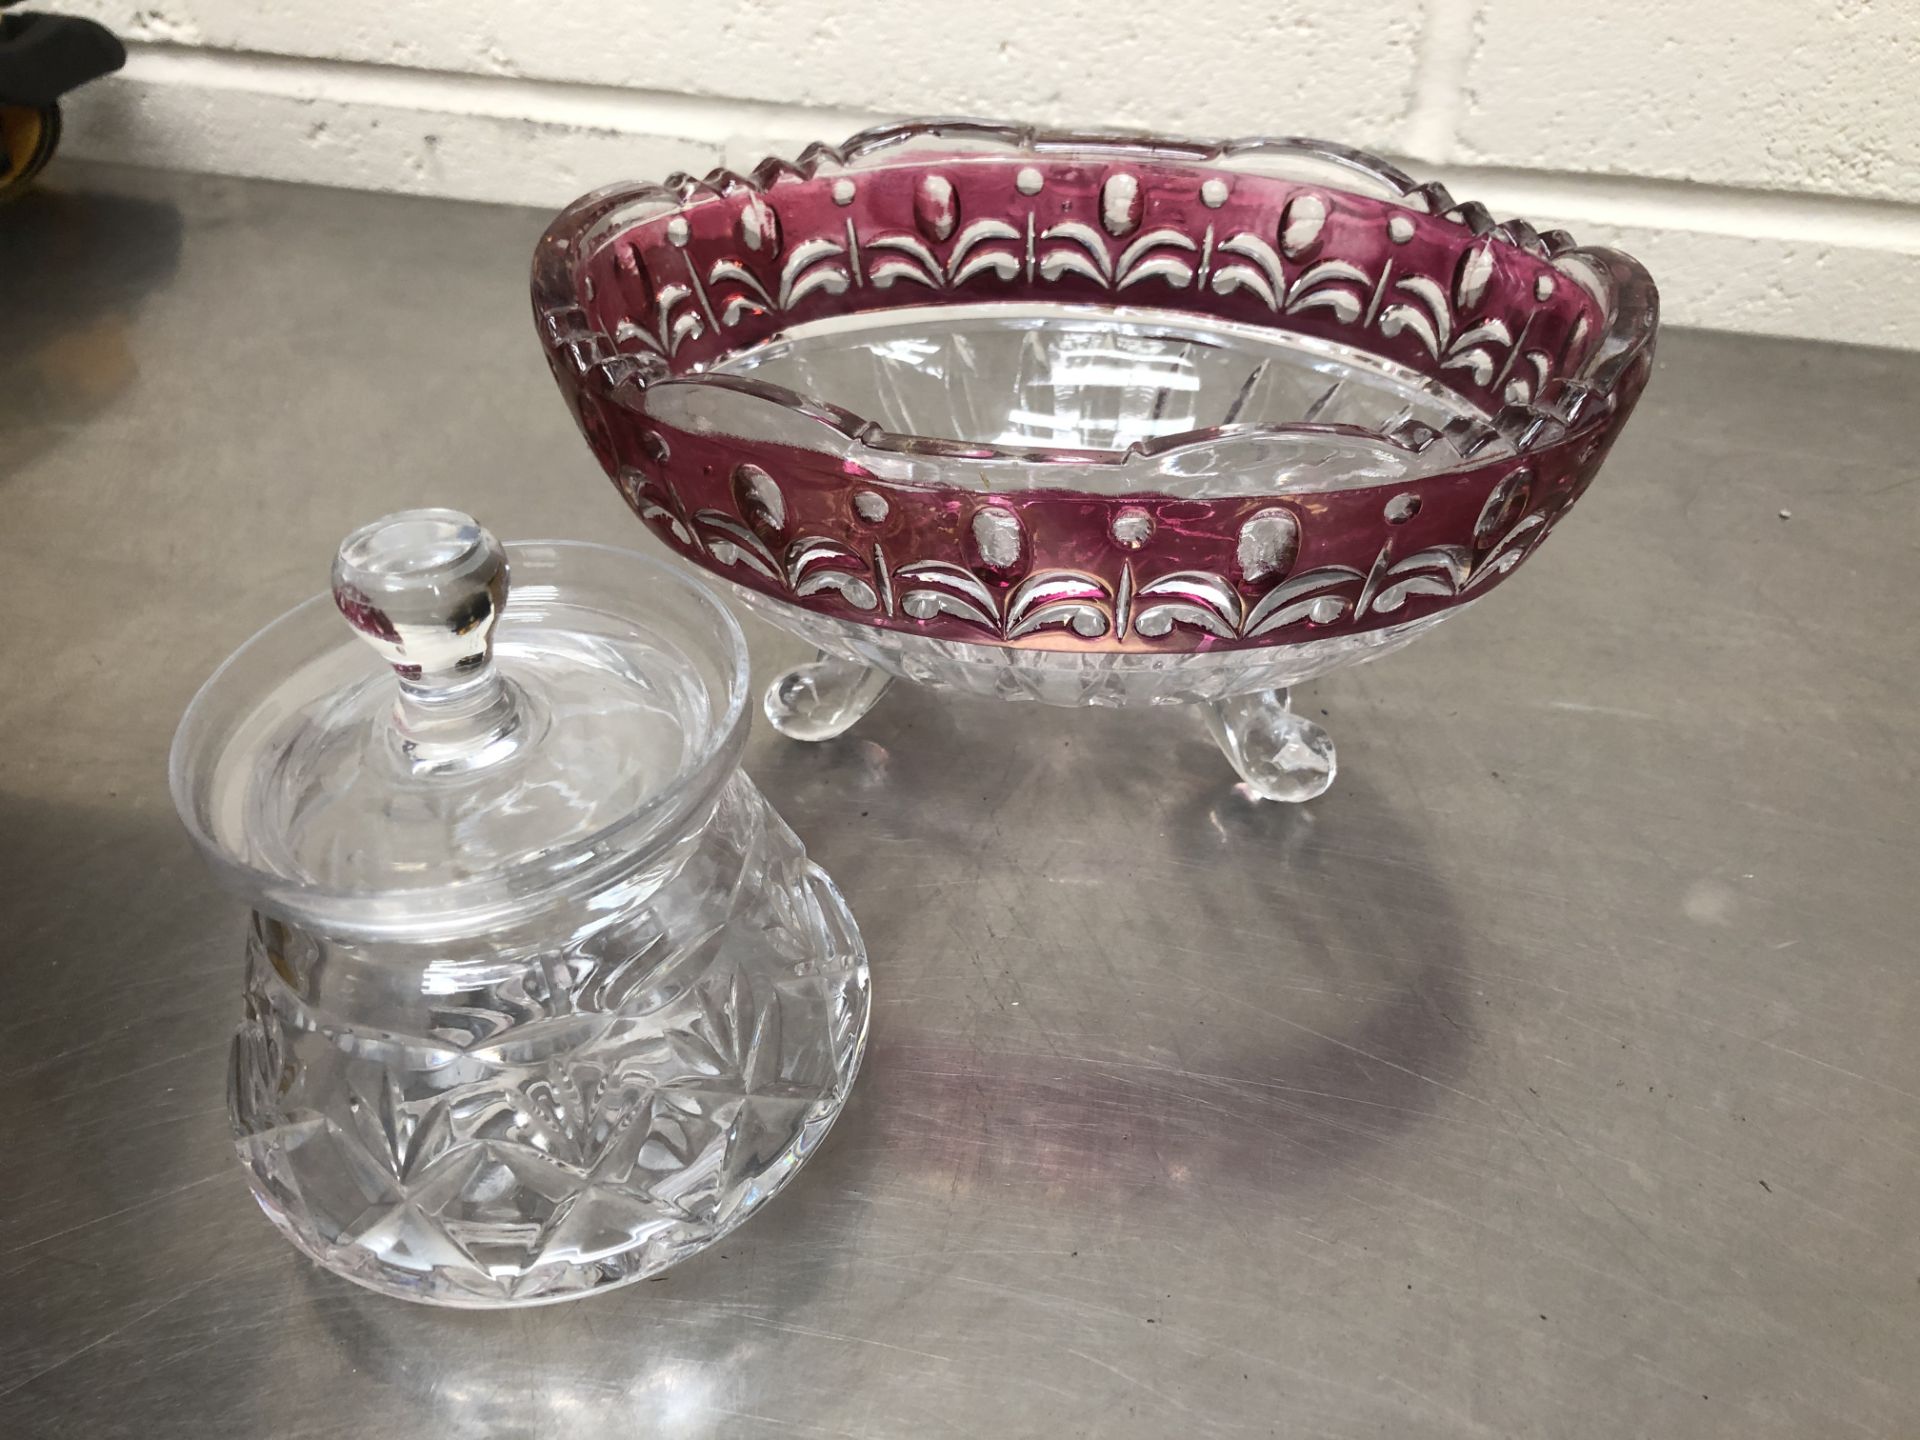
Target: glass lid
459,752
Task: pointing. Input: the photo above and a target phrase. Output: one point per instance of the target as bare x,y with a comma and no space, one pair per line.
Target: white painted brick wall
1810,96
1227,65
1763,156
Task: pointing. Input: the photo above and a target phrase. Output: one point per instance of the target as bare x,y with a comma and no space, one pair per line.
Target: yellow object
28,136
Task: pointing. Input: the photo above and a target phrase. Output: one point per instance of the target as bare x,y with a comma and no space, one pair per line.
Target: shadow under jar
1090,420
541,995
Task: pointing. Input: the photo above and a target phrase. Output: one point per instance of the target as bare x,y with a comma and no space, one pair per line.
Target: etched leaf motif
852,588
925,604
884,272
973,253
1439,571
750,296
1120,204
1228,278
1270,283
934,587
759,225
1476,268
1267,544
732,543
1306,597
1301,223
759,500
1487,332
1476,361
979,232
936,209
1058,597
1187,597
1335,285
996,536
1344,304
1084,254
809,268
1503,506
674,330
1175,271
812,551
1137,262
670,329
1511,549
922,268
997,262
1433,323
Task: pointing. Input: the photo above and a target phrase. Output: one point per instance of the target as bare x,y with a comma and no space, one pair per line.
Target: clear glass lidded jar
541,996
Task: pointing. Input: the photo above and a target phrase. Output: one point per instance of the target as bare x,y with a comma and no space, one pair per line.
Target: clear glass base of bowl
516,1121
1277,753
1111,678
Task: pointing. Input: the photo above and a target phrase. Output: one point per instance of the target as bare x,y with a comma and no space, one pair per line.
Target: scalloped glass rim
1618,283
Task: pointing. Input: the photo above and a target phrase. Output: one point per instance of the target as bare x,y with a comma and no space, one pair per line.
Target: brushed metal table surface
1558,1074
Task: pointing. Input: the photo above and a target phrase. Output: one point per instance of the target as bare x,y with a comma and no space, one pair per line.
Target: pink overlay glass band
638,289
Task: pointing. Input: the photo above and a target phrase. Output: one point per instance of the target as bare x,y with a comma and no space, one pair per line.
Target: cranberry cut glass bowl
1090,419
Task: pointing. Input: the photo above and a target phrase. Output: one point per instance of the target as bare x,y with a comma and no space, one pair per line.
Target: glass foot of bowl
1090,420
824,698
1280,755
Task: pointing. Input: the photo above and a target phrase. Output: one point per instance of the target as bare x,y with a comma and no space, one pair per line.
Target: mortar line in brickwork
1653,203
1439,78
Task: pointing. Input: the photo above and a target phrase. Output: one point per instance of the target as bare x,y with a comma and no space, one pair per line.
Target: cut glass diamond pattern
529,1163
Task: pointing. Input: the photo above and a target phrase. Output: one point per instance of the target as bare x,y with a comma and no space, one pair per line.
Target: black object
42,57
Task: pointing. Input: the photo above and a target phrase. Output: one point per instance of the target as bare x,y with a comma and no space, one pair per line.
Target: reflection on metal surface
76,268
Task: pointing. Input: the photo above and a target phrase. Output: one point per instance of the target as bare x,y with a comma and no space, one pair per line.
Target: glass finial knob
425,589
